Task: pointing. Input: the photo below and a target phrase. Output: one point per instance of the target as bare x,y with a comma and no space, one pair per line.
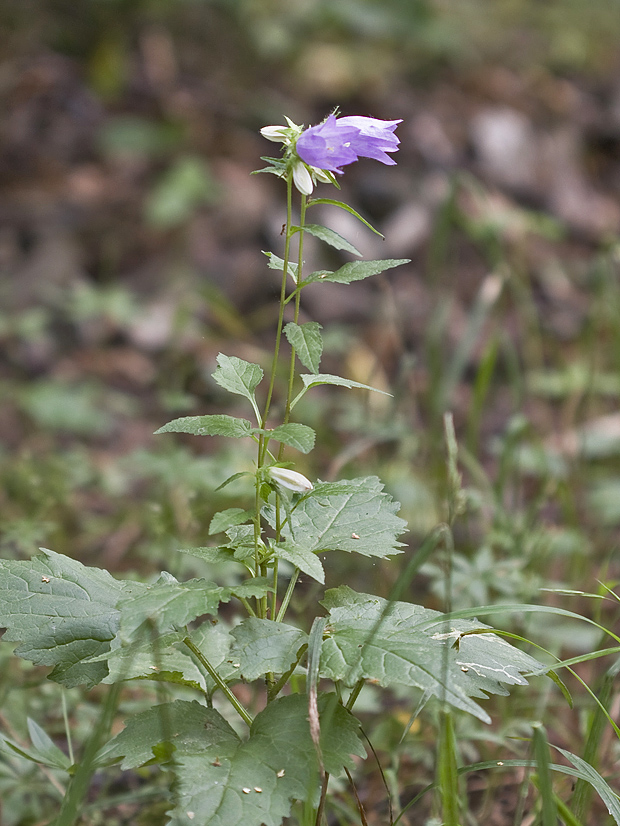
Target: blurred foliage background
130,238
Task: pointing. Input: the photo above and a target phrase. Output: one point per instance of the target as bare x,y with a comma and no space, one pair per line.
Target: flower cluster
319,151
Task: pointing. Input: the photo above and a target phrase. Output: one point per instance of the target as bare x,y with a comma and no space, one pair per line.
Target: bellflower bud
290,480
278,134
302,178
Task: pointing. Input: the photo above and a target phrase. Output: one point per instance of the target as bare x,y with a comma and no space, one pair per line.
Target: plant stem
291,374
65,717
276,350
355,693
263,442
218,681
277,687
287,595
274,595
321,809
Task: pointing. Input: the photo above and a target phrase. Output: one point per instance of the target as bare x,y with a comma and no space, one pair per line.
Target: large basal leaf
238,376
410,645
169,605
307,341
356,271
154,658
263,646
253,782
354,515
217,425
223,781
189,726
166,658
61,613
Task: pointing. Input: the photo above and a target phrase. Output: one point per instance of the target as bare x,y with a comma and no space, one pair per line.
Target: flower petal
340,141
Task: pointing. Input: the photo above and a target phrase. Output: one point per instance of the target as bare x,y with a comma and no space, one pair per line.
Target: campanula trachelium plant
237,762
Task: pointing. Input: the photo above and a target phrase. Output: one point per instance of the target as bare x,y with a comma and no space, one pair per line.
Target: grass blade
545,784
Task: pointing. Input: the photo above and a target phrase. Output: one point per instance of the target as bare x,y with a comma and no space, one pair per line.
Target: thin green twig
241,711
288,595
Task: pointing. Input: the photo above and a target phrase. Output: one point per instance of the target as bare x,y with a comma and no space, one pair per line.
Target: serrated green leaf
263,646
301,558
214,641
212,554
61,613
241,540
255,587
153,657
276,263
315,379
216,425
307,341
299,436
400,643
166,606
189,726
355,271
227,518
252,783
165,658
238,376
330,237
354,515
347,208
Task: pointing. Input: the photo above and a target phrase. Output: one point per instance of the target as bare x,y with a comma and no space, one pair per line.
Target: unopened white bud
278,134
302,178
290,479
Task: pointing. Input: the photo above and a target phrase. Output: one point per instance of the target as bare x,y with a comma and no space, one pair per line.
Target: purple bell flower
340,141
